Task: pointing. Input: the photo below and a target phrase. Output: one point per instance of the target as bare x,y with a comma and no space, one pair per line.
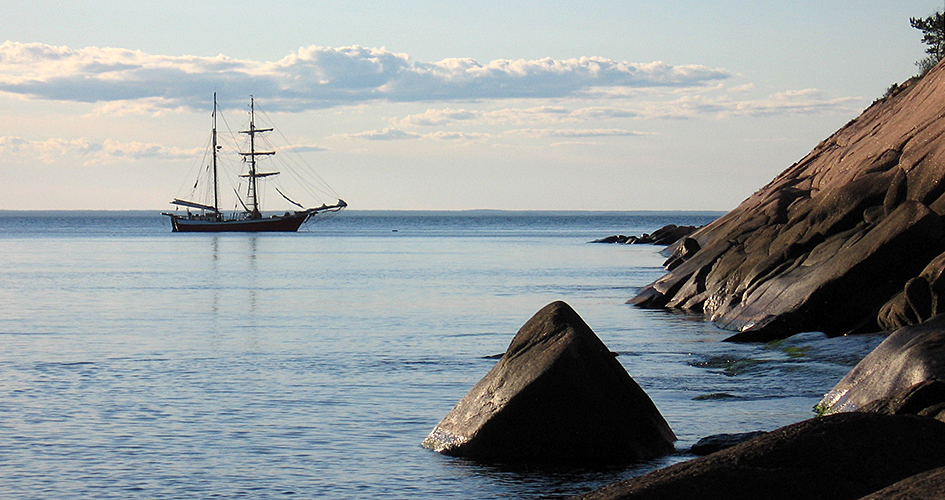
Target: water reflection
549,481
232,285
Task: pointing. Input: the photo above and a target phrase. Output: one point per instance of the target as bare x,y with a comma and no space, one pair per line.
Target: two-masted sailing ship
248,217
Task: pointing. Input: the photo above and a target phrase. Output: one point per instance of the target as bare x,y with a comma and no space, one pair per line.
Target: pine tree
933,35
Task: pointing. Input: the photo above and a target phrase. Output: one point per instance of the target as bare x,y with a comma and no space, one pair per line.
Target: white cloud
315,77
437,117
807,101
303,148
539,114
398,134
387,134
457,136
393,134
54,149
610,132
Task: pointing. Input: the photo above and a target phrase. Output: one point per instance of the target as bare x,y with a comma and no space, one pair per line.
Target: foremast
216,179
214,209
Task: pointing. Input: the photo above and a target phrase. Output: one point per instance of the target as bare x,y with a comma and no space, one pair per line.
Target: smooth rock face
910,356
832,239
843,456
557,395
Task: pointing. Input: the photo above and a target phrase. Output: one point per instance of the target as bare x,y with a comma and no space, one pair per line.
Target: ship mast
252,154
216,182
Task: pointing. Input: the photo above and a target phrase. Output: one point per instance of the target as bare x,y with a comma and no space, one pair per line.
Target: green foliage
933,35
891,91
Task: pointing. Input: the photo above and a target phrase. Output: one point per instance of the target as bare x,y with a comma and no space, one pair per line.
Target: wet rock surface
834,239
901,369
557,395
843,456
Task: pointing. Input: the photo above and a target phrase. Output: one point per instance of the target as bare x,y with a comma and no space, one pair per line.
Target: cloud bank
316,77
91,152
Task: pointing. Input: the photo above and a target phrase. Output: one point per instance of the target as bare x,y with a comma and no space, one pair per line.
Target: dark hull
283,223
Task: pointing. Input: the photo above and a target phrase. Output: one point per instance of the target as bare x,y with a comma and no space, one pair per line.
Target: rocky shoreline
851,239
666,235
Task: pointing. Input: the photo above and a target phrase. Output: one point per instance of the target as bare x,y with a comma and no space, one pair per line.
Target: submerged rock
557,395
892,373
832,239
717,442
844,456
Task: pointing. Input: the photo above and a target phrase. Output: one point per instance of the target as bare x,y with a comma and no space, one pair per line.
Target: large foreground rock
834,238
910,359
557,394
927,485
843,456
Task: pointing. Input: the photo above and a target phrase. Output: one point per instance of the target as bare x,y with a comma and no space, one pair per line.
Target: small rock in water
665,235
715,395
714,443
557,395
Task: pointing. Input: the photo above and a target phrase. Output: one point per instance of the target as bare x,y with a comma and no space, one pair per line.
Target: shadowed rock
925,398
832,239
557,395
926,485
843,456
665,236
922,298
909,357
717,442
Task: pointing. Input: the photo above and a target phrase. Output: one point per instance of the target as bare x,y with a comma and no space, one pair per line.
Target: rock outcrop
843,456
921,298
557,395
834,238
666,235
897,372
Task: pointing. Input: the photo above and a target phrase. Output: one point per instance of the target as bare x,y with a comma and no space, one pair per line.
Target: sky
421,105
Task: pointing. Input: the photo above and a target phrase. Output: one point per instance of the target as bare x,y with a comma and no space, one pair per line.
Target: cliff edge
848,239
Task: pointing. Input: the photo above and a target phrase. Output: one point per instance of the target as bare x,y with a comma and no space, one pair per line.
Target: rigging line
316,188
195,171
239,199
311,171
303,183
290,200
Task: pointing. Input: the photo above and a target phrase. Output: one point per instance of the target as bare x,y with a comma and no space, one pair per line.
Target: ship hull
282,223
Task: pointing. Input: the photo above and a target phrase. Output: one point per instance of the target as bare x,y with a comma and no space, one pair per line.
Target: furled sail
193,204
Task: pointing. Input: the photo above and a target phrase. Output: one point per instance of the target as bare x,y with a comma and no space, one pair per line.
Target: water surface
138,363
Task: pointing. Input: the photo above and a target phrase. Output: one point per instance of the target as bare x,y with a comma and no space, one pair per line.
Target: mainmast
216,182
252,154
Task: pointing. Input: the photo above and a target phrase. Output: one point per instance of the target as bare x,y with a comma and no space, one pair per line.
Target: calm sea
138,363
